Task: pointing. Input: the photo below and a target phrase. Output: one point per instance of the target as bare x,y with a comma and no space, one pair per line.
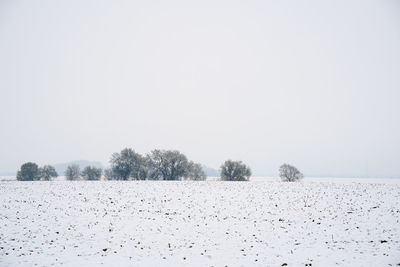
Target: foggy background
316,85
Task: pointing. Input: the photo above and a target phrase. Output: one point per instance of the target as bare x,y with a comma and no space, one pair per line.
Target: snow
264,222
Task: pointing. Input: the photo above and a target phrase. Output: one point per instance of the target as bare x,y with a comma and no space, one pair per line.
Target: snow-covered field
148,223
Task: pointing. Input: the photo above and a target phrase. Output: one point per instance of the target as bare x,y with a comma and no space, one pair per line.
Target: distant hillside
210,171
61,167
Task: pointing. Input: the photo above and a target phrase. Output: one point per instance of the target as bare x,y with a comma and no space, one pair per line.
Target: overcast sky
311,83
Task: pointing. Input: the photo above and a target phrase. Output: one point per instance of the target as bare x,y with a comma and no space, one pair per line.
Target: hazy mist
266,82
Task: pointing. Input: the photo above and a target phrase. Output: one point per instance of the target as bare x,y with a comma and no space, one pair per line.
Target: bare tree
47,172
195,172
72,172
289,173
235,171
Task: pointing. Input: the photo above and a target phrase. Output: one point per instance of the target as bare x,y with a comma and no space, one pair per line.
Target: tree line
166,165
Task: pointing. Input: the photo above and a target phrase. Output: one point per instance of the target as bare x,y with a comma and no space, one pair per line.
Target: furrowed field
154,223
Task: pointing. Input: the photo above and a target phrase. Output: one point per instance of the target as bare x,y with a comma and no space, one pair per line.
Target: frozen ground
259,223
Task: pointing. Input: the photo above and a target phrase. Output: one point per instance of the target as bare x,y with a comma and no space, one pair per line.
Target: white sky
312,83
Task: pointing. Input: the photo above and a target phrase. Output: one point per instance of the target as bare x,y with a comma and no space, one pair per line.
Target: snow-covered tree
29,172
127,164
195,172
47,172
91,173
72,172
167,165
235,171
289,173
